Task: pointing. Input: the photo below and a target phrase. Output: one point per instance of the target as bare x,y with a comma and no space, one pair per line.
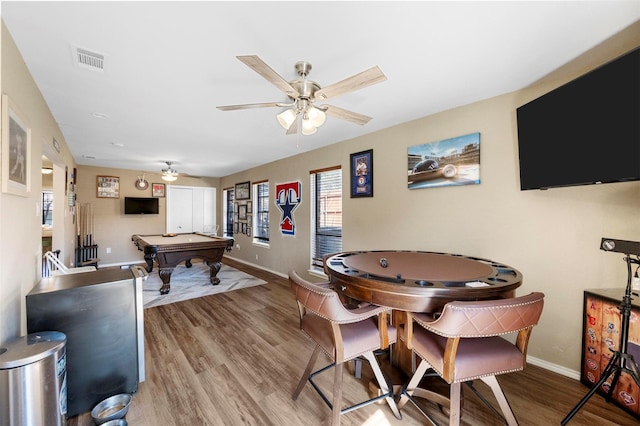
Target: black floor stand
621,360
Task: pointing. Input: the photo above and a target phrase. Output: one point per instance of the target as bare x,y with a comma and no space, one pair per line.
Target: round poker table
419,281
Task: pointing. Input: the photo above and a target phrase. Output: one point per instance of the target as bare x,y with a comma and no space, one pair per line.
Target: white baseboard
280,274
572,374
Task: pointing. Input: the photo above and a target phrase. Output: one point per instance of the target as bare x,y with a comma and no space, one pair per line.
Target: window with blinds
261,222
47,208
227,226
326,214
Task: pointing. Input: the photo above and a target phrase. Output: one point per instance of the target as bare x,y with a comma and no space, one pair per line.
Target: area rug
189,283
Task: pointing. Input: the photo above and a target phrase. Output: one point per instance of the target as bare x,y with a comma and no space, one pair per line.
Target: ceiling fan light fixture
316,116
287,117
169,177
307,127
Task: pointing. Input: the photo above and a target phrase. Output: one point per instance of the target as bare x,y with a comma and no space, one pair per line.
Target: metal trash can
33,380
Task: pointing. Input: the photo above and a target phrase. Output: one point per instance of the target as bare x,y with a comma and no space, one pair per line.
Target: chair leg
502,400
382,383
357,366
307,372
455,393
413,383
337,395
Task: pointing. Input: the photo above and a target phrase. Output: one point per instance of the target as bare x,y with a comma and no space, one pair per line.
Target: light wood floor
235,358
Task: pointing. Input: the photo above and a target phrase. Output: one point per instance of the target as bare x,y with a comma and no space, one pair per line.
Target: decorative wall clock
141,183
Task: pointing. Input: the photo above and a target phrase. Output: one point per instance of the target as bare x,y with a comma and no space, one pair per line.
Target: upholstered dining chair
465,343
343,334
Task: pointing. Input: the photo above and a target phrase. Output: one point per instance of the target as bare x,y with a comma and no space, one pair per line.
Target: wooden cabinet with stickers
601,335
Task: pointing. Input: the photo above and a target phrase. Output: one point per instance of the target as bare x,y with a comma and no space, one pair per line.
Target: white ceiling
169,64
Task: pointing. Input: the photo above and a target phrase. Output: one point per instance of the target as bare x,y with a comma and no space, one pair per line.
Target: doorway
46,201
52,200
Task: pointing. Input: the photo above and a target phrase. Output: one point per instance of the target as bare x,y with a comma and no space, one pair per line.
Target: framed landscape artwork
454,161
242,191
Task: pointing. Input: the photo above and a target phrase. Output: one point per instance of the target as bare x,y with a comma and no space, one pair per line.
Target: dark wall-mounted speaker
620,246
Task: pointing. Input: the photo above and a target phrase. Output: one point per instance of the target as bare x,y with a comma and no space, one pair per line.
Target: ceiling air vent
87,59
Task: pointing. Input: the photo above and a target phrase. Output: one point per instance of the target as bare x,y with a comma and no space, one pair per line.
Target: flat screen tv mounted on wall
137,205
584,132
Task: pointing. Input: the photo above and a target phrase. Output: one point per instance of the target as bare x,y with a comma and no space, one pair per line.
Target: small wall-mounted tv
584,132
138,205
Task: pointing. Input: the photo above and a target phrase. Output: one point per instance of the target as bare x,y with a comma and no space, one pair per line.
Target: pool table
168,250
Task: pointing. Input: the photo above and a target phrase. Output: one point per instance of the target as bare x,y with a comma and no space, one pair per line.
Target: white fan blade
344,114
259,66
356,82
248,106
293,129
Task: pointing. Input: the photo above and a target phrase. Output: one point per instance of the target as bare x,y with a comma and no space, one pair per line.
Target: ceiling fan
169,174
304,93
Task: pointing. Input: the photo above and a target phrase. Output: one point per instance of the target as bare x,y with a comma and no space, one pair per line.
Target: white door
209,211
179,209
204,210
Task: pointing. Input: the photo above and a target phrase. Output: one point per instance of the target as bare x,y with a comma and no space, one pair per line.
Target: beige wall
20,219
551,236
113,228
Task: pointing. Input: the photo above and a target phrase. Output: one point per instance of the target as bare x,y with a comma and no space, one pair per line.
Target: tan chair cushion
475,358
358,337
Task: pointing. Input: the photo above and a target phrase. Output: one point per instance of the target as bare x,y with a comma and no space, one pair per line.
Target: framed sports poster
362,174
454,161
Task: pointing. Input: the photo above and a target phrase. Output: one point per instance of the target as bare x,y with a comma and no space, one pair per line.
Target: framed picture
108,187
157,189
244,227
235,227
16,150
249,207
242,212
362,174
242,191
447,162
248,231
